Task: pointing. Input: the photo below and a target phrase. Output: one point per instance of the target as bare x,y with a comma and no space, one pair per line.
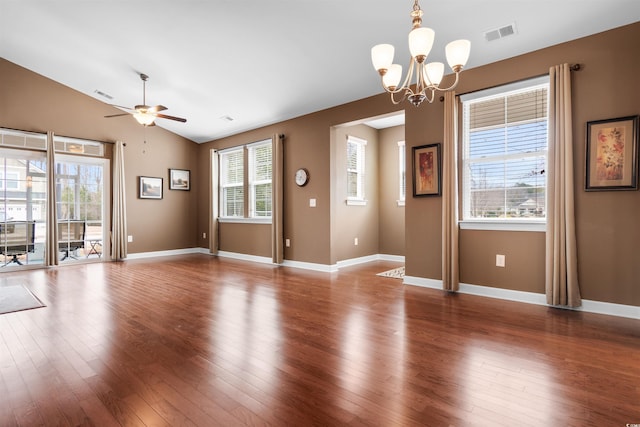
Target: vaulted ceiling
260,62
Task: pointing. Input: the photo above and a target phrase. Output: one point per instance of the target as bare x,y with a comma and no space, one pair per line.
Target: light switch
312,203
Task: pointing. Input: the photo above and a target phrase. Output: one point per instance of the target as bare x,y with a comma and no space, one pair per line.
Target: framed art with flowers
426,170
612,154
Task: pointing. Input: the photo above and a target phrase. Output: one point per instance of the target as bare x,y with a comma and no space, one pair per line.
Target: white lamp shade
420,41
434,72
393,76
382,56
144,118
458,52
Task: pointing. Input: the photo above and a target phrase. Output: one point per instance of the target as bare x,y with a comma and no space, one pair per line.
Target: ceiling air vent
102,94
499,33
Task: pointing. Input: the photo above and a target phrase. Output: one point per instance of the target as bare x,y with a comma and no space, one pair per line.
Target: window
260,179
355,168
402,168
232,183
505,154
252,189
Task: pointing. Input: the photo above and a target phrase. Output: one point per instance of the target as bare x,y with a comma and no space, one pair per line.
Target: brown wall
249,239
349,222
607,226
607,222
31,102
391,225
307,144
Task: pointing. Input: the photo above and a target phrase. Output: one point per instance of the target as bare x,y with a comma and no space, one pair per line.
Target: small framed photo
150,188
179,179
612,154
426,170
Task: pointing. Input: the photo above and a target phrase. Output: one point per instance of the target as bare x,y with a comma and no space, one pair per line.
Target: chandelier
427,76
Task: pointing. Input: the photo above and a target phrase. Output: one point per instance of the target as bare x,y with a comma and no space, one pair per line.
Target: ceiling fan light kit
144,114
428,76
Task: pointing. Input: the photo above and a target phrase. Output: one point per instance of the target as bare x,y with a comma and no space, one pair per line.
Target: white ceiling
261,61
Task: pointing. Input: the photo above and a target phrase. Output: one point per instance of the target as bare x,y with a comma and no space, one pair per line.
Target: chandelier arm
433,95
406,85
455,83
396,90
393,100
421,87
407,82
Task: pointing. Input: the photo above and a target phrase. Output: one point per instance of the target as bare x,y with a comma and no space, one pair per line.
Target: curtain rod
572,67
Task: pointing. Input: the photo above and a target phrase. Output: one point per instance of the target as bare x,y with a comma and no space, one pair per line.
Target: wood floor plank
197,340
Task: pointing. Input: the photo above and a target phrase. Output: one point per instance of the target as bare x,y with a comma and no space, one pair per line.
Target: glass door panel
23,194
81,205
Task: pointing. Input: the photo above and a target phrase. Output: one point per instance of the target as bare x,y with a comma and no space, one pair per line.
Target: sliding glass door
81,195
81,199
23,195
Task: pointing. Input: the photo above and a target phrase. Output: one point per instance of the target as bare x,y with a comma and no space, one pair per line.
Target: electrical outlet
500,260
129,239
204,235
287,242
355,241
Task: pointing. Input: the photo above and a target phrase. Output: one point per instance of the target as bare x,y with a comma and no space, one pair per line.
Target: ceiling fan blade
120,106
157,108
164,116
118,115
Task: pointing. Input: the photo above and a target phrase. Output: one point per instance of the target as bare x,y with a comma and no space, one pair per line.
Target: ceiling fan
144,114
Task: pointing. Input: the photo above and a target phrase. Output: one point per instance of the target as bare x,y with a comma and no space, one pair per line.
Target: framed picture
612,154
426,170
179,179
150,187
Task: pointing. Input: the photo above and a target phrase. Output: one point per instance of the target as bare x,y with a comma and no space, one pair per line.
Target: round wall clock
302,177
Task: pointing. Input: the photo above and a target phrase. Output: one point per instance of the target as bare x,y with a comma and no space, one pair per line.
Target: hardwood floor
198,340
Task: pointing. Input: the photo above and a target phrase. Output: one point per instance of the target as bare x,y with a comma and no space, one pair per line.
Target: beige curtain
277,190
51,255
561,281
119,228
213,217
450,265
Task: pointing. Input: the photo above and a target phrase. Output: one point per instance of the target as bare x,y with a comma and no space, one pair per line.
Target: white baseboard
325,268
588,306
245,257
356,261
394,258
310,266
172,252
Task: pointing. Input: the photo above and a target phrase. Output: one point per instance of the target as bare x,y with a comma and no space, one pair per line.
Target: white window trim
402,166
222,186
360,199
501,224
252,183
504,225
244,220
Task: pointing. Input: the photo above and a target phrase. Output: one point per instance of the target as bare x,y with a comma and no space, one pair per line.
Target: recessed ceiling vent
500,33
102,94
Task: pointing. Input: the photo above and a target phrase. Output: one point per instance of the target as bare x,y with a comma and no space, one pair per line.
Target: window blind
504,154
